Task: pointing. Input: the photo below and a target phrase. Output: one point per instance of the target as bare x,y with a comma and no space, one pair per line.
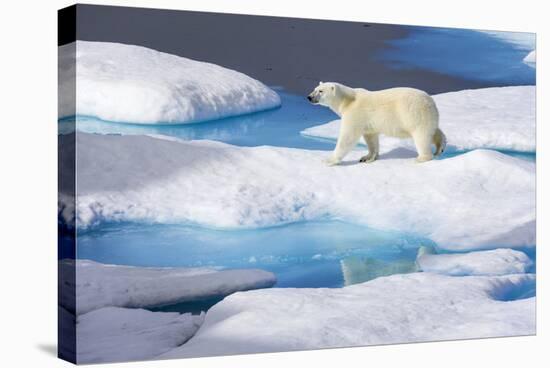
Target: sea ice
531,58
121,334
101,285
396,309
480,199
105,332
134,84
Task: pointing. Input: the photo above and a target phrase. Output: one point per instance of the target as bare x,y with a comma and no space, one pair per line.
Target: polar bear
396,112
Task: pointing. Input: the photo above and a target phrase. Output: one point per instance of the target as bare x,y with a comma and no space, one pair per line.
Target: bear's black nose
309,97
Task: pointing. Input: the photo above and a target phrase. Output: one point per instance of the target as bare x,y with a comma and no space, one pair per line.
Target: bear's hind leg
374,147
423,143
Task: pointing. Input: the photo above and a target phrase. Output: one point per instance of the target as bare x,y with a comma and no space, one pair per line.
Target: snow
126,83
102,285
120,334
107,333
396,309
490,262
480,199
501,118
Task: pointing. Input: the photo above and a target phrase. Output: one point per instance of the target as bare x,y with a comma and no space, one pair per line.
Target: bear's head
324,94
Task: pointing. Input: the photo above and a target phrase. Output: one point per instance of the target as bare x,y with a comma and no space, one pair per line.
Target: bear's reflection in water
360,269
356,270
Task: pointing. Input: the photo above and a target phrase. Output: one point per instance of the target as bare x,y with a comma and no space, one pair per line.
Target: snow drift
501,118
396,309
126,83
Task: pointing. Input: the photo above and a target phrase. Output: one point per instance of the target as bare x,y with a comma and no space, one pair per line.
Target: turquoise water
305,254
279,127
528,156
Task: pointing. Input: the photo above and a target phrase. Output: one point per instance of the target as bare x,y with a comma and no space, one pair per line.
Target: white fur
396,112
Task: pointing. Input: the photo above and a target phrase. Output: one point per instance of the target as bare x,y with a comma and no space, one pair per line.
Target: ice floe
127,83
121,334
396,309
501,118
106,332
490,262
100,285
531,58
480,199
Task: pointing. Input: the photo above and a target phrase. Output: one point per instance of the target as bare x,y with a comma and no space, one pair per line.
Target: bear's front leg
347,139
373,145
422,141
332,161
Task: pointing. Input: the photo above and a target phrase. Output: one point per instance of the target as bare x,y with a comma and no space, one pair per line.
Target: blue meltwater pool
306,254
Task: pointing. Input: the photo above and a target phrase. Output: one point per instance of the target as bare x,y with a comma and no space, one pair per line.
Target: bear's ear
320,83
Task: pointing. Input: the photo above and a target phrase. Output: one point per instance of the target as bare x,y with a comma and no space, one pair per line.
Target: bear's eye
320,91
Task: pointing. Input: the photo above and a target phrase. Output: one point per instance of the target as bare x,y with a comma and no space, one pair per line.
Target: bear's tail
440,141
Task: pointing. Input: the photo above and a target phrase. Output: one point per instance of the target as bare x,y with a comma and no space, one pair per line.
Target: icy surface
531,58
120,334
490,262
387,310
478,199
500,118
100,285
126,83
